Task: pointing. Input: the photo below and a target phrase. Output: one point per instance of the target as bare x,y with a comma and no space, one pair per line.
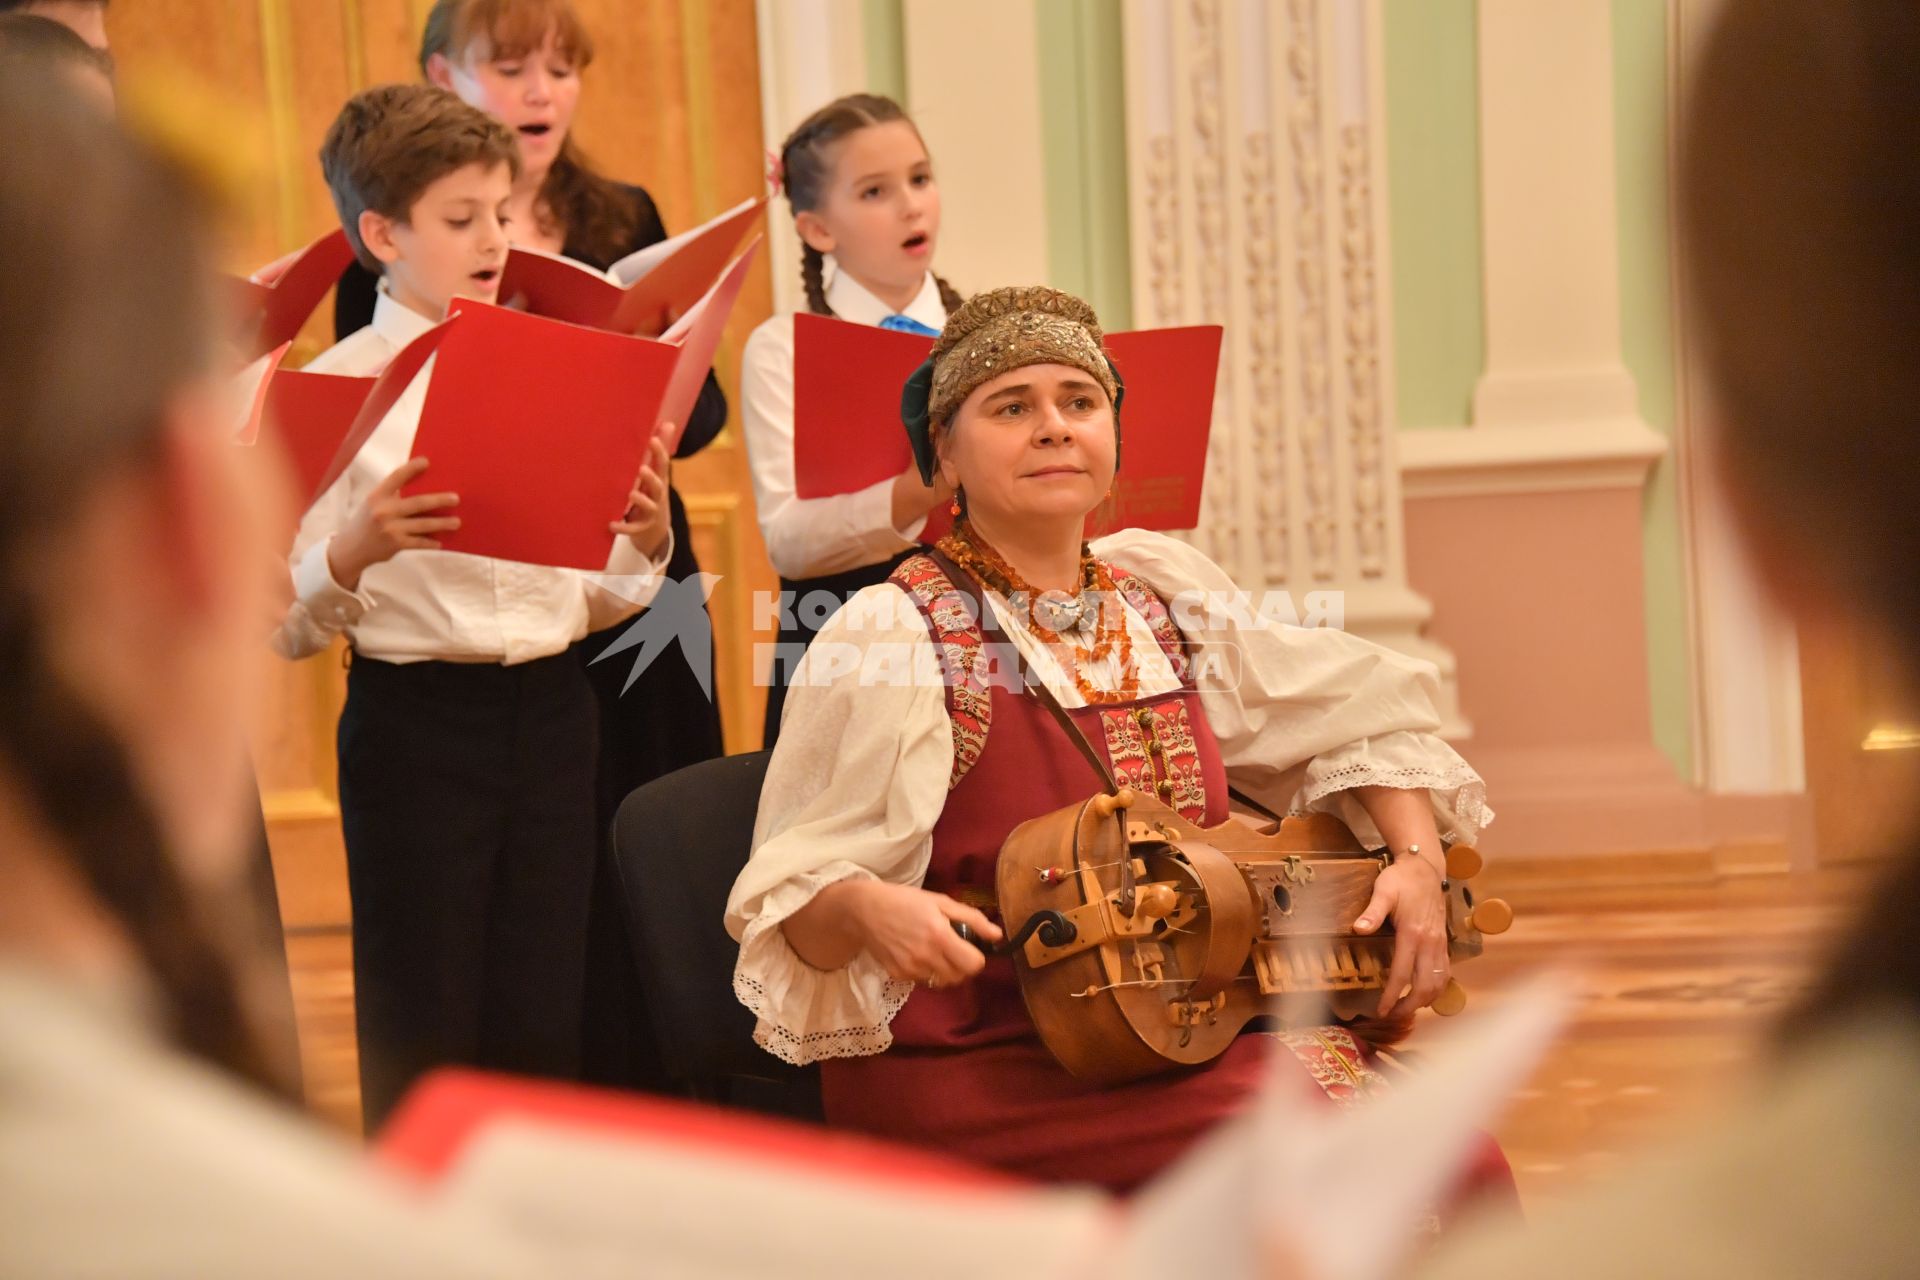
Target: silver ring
1439,970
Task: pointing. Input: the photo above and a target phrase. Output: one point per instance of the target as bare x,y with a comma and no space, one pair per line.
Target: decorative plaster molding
1255,133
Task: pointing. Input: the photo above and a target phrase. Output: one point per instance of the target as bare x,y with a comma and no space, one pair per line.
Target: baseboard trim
1518,874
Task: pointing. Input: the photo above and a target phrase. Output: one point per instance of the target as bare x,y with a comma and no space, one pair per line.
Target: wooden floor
1680,985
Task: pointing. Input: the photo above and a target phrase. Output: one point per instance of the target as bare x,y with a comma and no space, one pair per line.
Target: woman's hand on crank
910,932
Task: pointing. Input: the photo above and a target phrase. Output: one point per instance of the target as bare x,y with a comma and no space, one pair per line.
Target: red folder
441,1116
847,432
275,302
1166,419
561,289
311,414
323,419
541,428
251,387
698,334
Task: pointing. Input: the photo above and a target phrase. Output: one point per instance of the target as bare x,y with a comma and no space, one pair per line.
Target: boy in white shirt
468,739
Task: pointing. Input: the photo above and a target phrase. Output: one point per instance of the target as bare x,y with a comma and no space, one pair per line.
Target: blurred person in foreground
1800,202
145,1126
28,39
85,18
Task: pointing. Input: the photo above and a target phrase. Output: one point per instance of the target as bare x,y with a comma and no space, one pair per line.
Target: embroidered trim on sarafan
1153,751
1334,1058
958,641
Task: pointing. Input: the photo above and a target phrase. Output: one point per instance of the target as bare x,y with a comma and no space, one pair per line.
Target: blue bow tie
907,324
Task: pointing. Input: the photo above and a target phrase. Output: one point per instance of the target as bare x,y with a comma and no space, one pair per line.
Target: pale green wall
1433,167
884,27
1084,140
1646,342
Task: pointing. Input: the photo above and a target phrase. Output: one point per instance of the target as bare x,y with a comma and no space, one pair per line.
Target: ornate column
1256,141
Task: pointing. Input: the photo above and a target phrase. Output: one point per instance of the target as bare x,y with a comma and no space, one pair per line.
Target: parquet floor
1680,984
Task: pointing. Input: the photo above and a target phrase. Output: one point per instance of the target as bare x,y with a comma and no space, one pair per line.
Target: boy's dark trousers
467,802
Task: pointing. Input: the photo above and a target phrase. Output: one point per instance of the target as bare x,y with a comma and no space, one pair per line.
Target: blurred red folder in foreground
847,432
450,1108
604,1184
663,280
276,300
598,1183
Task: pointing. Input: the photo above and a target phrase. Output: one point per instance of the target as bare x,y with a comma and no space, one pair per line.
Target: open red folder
323,419
530,420
660,282
250,394
847,433
276,300
541,426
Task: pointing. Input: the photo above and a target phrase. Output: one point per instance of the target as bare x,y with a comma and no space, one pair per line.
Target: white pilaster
1548,216
811,52
1746,652
973,88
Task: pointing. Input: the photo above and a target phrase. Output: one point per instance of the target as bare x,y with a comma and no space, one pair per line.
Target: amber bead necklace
1095,610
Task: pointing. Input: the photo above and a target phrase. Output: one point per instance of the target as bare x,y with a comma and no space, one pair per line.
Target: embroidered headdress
994,332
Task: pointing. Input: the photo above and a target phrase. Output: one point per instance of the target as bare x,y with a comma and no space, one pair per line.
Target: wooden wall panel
671,102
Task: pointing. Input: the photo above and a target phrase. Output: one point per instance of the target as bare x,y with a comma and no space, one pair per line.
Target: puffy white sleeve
857,781
805,537
1306,714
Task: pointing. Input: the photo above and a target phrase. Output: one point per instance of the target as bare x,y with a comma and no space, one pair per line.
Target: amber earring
953,506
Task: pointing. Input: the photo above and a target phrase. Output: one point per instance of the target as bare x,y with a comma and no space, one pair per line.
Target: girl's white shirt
814,537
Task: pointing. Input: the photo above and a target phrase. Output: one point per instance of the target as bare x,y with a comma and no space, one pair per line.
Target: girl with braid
145,1129
867,208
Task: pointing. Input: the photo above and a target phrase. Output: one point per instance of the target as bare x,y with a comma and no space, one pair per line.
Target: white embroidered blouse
860,775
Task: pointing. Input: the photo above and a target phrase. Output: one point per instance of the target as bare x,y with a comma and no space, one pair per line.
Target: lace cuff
1406,761
806,1014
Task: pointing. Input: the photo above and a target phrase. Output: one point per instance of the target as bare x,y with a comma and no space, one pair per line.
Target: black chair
678,844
